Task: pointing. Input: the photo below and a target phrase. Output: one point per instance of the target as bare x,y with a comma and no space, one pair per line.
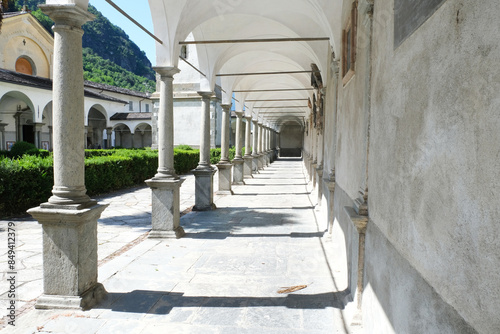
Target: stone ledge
358,221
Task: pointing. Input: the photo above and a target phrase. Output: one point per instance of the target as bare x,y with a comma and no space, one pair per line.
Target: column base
165,211
204,189
247,167
238,171
260,161
84,302
69,256
224,179
255,164
177,233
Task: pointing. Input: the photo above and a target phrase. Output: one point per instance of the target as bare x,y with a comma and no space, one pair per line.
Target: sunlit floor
259,263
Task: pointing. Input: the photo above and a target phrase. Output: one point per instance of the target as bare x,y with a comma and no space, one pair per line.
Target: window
25,65
349,45
184,52
130,105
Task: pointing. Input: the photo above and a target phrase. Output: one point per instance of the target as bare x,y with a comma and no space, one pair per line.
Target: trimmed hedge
28,181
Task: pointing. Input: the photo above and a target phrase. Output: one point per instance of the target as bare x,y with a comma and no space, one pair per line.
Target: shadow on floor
162,302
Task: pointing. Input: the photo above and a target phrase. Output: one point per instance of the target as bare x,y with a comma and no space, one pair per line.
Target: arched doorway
291,139
123,136
95,128
143,135
16,113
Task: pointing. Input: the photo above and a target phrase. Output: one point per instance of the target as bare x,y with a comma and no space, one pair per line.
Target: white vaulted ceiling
311,29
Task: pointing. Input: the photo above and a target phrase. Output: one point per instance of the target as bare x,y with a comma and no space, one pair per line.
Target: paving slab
222,277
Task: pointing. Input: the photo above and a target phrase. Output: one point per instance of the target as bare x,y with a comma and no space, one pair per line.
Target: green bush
22,147
185,160
26,182
184,147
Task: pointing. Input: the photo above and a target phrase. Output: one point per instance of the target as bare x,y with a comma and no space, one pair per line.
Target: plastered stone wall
434,174
352,120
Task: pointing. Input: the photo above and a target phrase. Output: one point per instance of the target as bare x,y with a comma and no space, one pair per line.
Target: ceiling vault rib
261,73
271,90
282,107
277,100
259,40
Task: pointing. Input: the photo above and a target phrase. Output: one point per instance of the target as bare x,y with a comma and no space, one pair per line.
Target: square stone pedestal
247,167
165,215
255,163
225,178
204,189
69,256
260,161
238,171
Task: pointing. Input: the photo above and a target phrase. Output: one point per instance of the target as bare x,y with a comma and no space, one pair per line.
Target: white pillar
69,219
255,147
225,165
165,185
261,154
204,195
238,161
247,167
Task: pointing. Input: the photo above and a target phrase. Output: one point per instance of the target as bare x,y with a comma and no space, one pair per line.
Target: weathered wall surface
352,120
291,136
397,299
187,115
434,174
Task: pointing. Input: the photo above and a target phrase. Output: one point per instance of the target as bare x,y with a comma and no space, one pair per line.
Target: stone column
69,218
2,136
204,173
165,185
247,166
260,151
255,147
154,121
268,151
225,165
51,140
37,128
238,160
109,133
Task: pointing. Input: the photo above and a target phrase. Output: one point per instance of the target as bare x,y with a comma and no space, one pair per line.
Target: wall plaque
409,15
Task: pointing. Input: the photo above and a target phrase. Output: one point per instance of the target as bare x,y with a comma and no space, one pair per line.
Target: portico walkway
224,275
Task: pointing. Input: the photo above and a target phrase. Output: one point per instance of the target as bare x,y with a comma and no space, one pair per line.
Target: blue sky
139,10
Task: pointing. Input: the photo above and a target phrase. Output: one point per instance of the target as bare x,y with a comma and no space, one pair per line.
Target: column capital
67,15
248,118
226,107
205,95
239,114
166,71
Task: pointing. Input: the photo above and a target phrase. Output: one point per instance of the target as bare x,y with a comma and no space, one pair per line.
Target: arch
122,136
16,110
25,65
143,135
96,124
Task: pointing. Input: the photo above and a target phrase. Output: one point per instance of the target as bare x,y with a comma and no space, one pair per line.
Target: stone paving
222,277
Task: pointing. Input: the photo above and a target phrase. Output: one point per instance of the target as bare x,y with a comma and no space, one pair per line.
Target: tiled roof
114,89
45,83
130,116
